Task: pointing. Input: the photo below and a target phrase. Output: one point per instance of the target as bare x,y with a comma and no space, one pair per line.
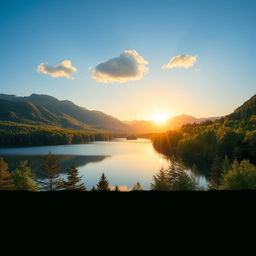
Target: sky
131,59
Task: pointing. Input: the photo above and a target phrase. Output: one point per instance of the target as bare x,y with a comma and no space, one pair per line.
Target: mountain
47,110
147,126
245,111
232,136
180,120
144,126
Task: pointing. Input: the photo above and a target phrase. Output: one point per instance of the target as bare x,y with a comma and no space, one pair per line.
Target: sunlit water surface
124,162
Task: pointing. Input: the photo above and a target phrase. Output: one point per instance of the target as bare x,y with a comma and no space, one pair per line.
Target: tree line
224,175
233,176
49,179
29,135
210,142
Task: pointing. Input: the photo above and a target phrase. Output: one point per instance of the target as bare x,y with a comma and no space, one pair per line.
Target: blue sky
221,34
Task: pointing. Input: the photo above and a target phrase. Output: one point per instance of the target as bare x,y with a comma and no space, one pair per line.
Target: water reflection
36,161
124,162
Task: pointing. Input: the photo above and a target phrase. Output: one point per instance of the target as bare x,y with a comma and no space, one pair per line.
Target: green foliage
50,174
160,181
48,111
216,172
137,187
218,169
250,141
14,134
175,178
73,180
179,179
225,165
233,136
245,111
23,178
103,184
242,176
5,177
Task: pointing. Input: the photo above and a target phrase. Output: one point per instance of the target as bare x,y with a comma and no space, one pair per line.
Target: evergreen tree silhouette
23,178
73,180
103,184
160,181
216,172
137,187
225,165
50,174
117,189
5,177
93,189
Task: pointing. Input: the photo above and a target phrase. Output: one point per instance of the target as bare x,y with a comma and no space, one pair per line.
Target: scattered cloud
128,66
65,69
181,61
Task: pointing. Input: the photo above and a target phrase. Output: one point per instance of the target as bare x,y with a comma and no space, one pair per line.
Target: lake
124,162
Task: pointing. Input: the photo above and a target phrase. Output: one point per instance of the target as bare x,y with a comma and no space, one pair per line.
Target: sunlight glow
160,118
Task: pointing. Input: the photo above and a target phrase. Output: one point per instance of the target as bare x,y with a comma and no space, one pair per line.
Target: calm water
123,161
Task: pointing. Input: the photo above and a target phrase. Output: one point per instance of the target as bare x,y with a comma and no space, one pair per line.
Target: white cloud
65,69
128,66
181,61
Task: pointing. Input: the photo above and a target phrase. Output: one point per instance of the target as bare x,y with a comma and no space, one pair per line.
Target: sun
160,118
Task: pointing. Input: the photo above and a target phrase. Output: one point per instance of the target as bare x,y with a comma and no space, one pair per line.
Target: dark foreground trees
235,176
241,176
50,174
175,178
5,177
73,180
160,181
23,178
103,184
137,187
18,134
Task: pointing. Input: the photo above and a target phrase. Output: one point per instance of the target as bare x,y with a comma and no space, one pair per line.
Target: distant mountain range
142,126
49,111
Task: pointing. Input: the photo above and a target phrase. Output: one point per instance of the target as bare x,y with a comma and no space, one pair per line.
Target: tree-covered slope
233,135
44,109
246,111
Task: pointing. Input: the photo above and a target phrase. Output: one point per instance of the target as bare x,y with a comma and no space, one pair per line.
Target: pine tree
241,176
50,174
23,178
225,165
73,180
137,187
117,189
160,181
93,189
216,173
103,184
180,179
5,177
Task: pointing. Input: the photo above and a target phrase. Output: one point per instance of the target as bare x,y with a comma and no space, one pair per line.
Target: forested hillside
46,110
148,126
233,136
15,134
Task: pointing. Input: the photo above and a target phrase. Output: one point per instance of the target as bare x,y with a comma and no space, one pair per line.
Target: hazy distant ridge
175,122
46,110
